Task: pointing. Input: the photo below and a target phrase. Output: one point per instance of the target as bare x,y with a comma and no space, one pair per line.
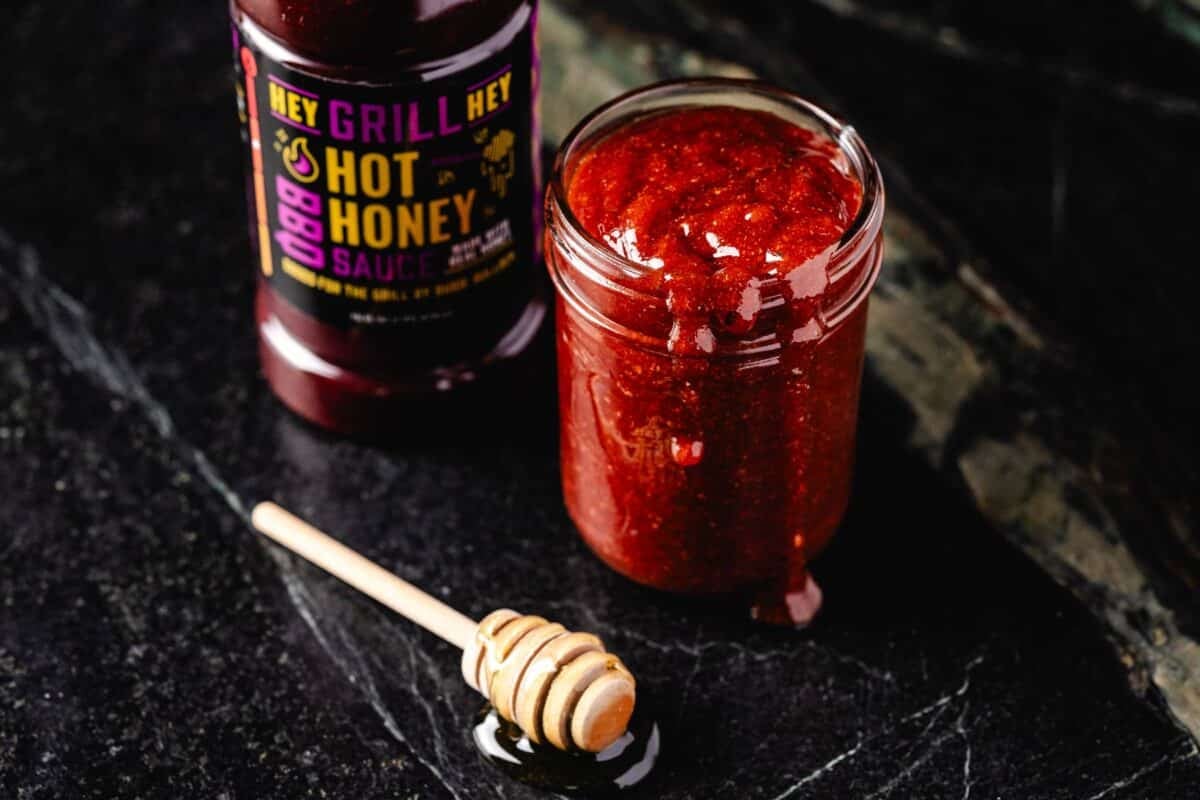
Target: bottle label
393,205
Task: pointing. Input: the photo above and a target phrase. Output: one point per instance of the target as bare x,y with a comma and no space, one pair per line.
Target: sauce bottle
391,177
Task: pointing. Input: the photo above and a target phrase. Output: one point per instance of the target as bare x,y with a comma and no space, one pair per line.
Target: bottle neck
336,37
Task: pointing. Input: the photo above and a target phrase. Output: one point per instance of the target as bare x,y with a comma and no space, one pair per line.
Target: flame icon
299,161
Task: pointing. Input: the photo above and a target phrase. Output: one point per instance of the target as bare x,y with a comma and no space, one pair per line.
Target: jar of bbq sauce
392,181
712,244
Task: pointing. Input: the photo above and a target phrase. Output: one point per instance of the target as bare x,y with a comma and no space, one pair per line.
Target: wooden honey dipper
557,686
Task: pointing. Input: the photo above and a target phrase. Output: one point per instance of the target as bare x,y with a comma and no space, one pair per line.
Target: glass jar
719,472
394,197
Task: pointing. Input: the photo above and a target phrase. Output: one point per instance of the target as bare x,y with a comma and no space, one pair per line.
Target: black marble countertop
1010,607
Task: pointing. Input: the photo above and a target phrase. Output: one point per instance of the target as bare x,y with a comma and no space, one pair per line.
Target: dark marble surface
152,646
1052,147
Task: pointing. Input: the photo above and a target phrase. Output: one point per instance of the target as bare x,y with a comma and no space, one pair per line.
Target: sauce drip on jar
708,394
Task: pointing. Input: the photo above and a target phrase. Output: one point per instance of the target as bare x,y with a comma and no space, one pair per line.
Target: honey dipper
558,687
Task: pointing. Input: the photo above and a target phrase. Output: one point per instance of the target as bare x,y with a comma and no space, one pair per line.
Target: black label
393,205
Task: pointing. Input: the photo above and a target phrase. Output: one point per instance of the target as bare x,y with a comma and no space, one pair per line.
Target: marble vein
945,699
961,730
958,730
420,662
1169,758
697,664
938,705
821,771
904,774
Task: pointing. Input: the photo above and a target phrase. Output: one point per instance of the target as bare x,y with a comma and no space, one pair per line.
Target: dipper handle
559,687
368,577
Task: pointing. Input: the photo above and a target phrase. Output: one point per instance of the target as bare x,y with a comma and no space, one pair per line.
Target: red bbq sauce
709,389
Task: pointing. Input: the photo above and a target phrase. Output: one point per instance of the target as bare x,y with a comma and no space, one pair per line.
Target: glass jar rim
859,236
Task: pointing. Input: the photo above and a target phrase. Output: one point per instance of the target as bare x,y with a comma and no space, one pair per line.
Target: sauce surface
686,468
714,200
